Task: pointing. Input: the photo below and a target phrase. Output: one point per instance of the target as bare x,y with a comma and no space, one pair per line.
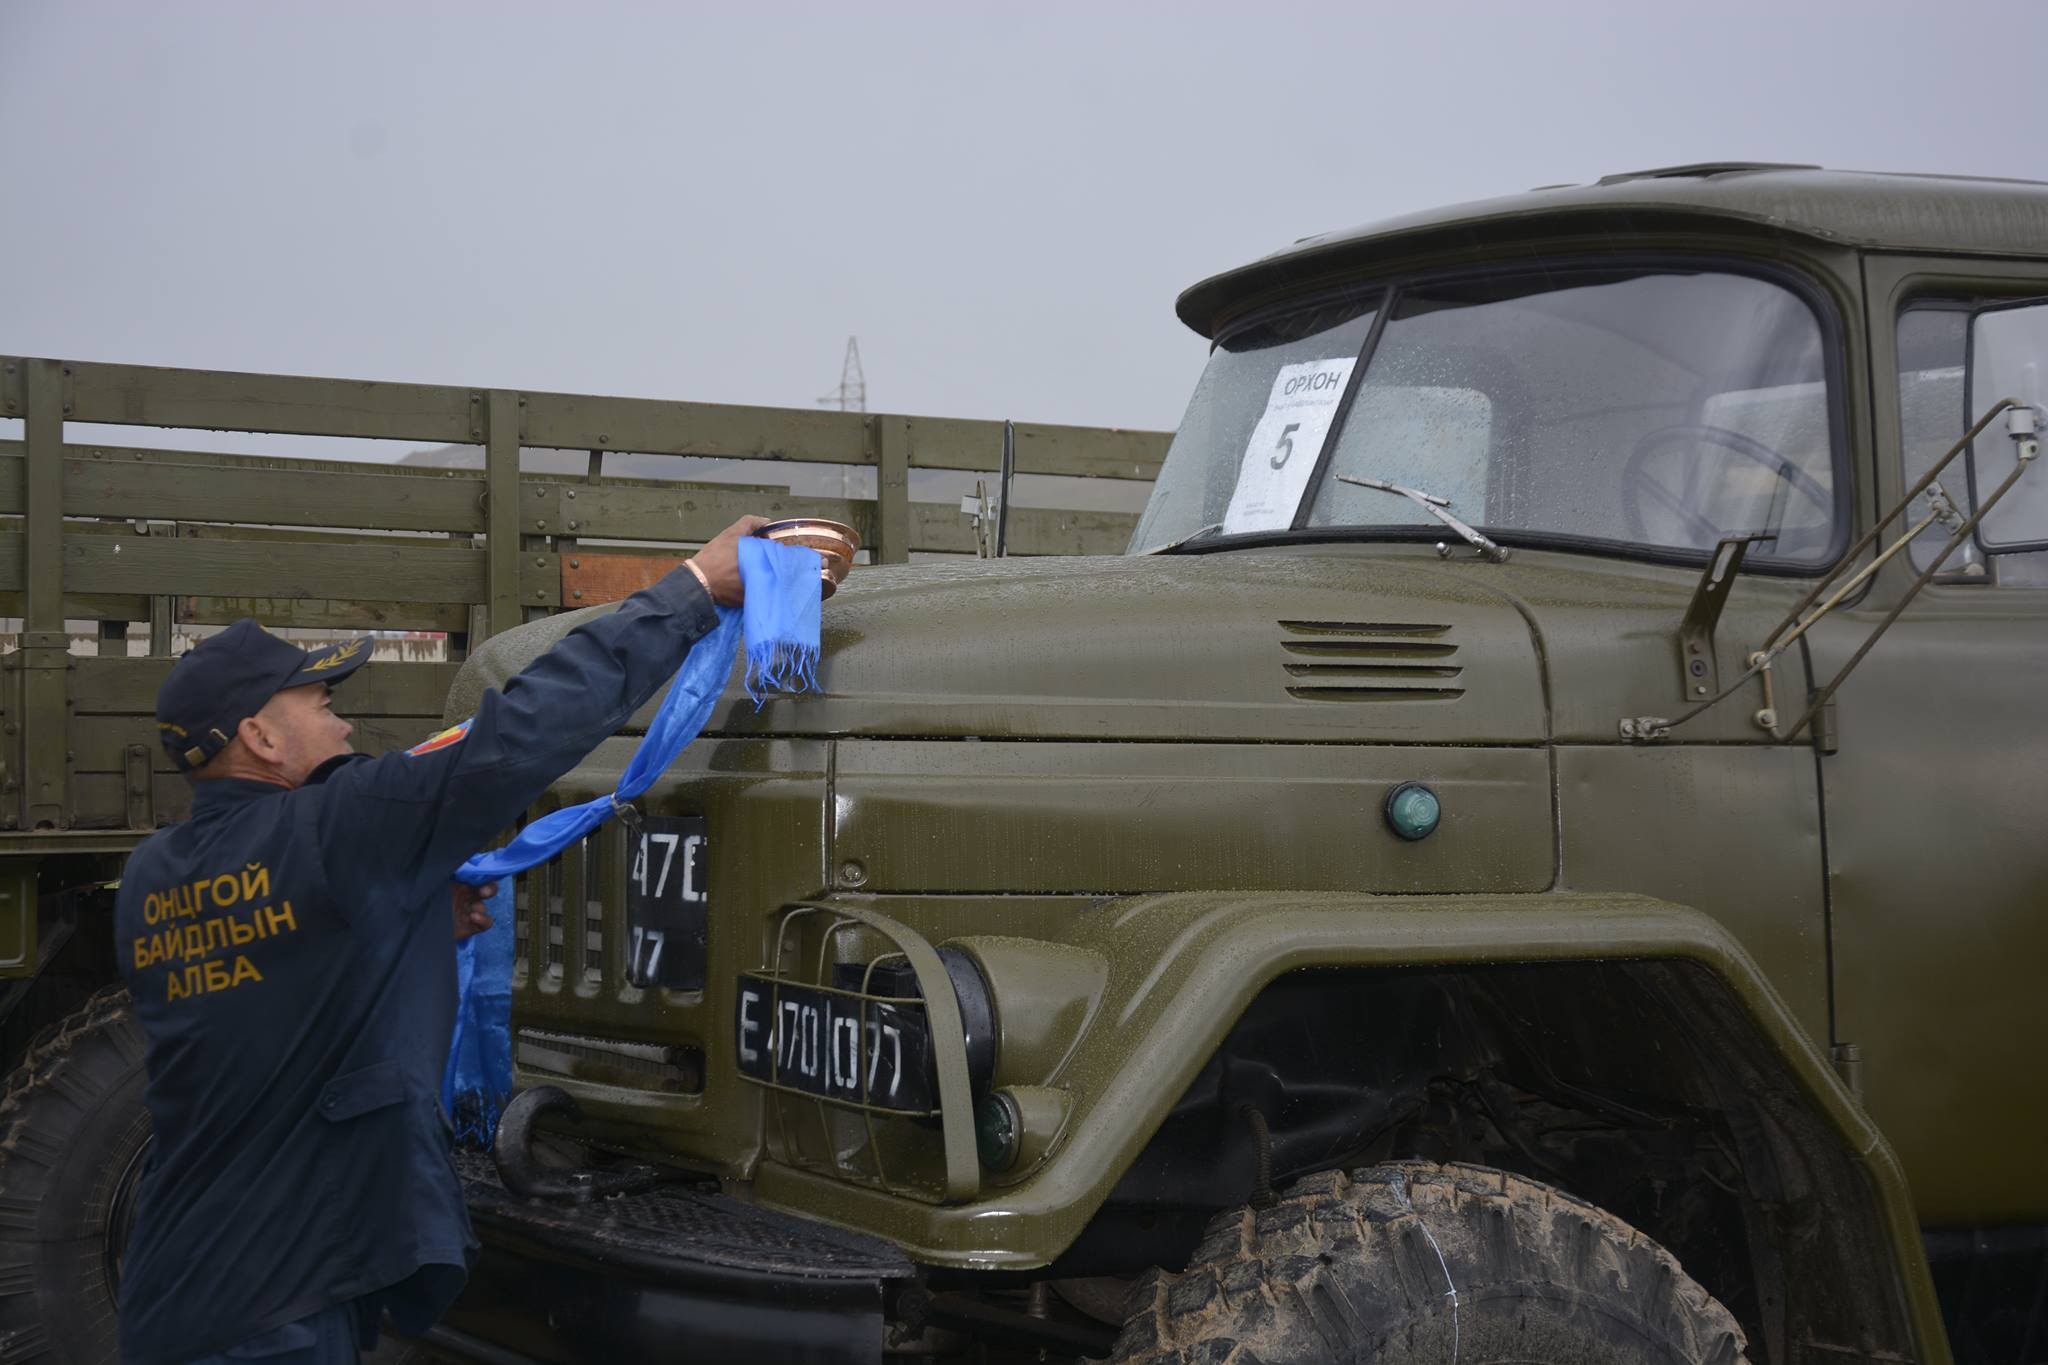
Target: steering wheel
1635,479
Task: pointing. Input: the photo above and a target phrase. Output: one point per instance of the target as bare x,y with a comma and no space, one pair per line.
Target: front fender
1181,968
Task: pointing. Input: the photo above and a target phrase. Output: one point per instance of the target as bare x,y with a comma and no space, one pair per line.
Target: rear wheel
73,1140
1412,1261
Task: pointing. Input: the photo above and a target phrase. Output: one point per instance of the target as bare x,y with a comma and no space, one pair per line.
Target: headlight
978,1025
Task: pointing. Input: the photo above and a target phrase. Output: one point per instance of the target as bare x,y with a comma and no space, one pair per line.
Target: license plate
819,1043
667,897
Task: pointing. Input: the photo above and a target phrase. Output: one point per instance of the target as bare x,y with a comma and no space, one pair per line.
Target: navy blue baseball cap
225,679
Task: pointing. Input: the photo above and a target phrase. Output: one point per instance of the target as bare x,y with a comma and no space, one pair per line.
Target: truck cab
1552,783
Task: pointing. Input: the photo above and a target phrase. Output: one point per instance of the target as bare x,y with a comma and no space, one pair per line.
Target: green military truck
1531,855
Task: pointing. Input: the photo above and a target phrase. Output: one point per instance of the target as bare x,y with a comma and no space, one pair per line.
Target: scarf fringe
780,666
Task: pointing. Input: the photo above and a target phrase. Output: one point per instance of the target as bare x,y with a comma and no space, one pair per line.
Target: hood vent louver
1370,661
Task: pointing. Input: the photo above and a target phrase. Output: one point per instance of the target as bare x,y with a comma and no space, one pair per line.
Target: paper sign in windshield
1283,447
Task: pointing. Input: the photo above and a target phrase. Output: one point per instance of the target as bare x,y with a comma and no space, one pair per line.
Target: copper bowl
835,542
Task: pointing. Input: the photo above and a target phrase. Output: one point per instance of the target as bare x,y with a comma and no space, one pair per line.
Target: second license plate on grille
666,899
817,1042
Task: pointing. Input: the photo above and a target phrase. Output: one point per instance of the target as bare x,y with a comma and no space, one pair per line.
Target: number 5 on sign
1279,460
1281,453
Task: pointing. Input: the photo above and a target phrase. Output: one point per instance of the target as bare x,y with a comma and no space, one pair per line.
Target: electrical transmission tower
850,396
852,393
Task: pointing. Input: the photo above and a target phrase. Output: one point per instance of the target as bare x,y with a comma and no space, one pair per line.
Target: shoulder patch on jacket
452,735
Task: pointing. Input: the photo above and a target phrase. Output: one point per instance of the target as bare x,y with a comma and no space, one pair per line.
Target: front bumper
674,1273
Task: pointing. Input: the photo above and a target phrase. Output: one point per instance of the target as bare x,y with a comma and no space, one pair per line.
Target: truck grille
576,873
1370,661
640,1066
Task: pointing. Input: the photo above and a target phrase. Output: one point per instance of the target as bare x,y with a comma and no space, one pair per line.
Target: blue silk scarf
780,623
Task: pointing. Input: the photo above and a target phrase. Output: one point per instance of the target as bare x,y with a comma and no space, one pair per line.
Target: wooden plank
295,612
1042,448
690,514
276,536
101,558
321,614
169,489
132,483
63,843
223,400
141,395
101,802
129,687
125,531
727,431
655,426
77,606
374,464
221,574
657,514
590,578
241,567
100,743
1059,531
941,529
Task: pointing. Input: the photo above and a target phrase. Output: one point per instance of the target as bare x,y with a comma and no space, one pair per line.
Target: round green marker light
996,1131
1413,811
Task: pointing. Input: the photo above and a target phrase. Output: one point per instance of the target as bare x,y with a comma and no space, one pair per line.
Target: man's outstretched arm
403,822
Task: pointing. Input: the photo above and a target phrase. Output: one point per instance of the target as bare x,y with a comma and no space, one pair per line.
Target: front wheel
1413,1261
73,1141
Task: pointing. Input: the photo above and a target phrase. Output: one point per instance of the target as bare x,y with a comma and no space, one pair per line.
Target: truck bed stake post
501,509
1007,476
888,439
45,646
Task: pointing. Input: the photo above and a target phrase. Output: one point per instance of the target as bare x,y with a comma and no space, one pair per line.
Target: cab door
1935,775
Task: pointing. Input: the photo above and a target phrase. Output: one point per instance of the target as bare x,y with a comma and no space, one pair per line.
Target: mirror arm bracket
1699,671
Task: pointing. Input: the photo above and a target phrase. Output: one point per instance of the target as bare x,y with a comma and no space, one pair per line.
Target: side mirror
2008,358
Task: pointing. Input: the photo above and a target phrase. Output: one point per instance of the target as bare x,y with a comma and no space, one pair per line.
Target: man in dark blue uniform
291,956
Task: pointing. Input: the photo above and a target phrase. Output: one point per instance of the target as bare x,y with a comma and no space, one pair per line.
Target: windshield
1659,408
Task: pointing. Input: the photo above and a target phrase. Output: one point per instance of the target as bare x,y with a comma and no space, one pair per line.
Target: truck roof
1944,214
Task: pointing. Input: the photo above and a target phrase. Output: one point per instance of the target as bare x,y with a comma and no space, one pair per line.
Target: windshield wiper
1211,529
1436,507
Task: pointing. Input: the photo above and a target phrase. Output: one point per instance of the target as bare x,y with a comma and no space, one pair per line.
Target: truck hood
1274,646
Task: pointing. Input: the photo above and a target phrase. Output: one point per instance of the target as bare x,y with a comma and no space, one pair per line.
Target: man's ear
259,739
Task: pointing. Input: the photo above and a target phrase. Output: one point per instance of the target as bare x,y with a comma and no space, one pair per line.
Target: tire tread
50,1275
1348,1266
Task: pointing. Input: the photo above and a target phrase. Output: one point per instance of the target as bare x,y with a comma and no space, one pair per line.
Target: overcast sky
695,201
